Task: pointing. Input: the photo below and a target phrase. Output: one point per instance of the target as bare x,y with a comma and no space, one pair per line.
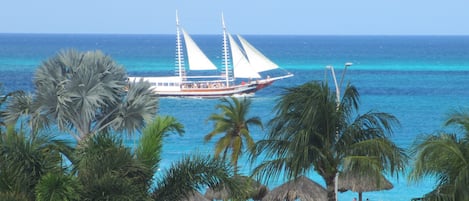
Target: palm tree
187,175
4,99
85,93
26,158
20,104
233,123
445,156
107,170
57,187
194,172
311,131
150,145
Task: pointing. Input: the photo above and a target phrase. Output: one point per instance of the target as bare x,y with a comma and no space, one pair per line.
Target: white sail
241,66
196,58
258,61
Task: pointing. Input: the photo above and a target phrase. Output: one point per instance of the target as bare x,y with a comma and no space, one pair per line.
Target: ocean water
419,79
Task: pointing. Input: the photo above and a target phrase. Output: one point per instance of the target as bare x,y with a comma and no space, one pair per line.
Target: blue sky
306,17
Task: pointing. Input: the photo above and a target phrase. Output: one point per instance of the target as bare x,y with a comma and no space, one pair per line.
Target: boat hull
174,87
246,90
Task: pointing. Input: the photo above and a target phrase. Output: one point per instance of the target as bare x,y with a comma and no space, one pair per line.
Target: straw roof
222,194
301,188
196,196
363,182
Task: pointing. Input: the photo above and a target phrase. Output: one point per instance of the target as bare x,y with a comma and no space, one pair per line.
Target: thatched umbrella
256,192
301,188
363,183
195,196
222,194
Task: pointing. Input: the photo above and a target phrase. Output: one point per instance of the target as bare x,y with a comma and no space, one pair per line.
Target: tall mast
180,64
225,51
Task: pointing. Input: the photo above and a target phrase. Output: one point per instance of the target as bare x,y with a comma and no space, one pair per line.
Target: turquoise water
419,79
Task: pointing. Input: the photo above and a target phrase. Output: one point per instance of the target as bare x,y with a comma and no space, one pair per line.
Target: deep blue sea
419,79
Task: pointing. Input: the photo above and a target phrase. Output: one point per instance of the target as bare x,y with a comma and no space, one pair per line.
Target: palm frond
26,159
444,152
193,173
138,108
57,187
107,169
151,143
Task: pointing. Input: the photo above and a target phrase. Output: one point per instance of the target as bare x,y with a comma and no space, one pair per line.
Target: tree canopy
84,93
312,131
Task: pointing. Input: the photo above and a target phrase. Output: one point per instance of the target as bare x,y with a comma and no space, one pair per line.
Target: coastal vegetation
311,131
103,168
25,159
445,156
3,99
86,95
233,123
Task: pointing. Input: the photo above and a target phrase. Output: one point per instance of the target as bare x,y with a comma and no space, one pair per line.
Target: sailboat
244,63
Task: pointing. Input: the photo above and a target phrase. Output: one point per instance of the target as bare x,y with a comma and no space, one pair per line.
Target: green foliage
151,143
86,94
6,98
57,187
312,131
233,122
195,172
444,156
14,196
26,159
113,187
108,170
103,168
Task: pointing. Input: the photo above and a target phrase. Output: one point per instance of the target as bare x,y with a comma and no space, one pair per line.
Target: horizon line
205,34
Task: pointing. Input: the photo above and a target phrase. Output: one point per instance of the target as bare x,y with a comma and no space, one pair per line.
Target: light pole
337,89
338,86
337,95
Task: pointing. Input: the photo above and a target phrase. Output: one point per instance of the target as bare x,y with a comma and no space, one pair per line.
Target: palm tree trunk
330,187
